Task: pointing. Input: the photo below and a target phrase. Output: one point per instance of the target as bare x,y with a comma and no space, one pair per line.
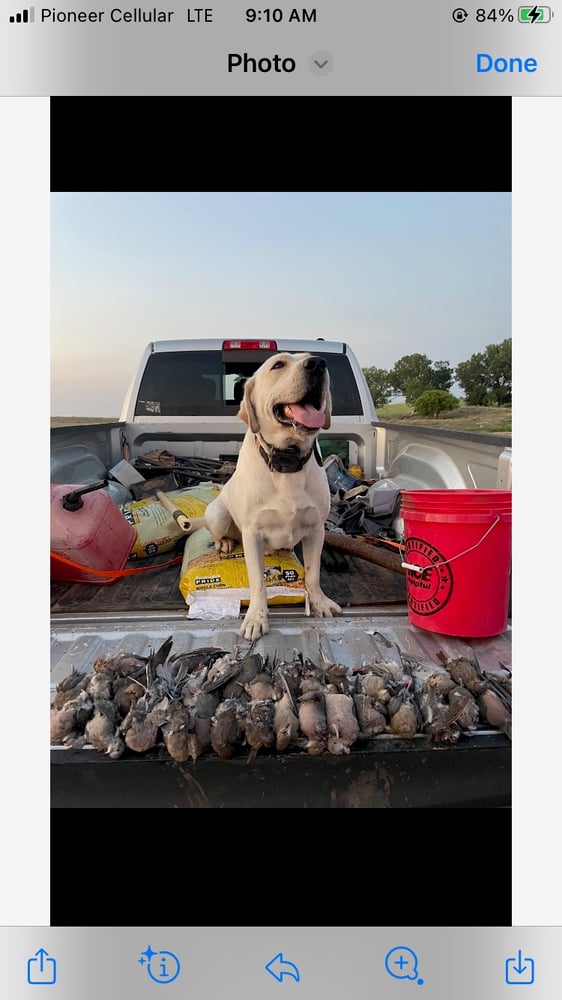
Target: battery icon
534,15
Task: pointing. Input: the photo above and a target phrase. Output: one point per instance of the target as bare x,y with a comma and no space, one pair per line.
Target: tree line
485,379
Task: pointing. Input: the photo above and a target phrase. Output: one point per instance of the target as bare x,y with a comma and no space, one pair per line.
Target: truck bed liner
350,581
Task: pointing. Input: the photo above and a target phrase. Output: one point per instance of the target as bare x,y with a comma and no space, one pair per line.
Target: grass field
483,419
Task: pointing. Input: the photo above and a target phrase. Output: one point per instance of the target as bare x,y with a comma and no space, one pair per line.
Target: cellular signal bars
26,16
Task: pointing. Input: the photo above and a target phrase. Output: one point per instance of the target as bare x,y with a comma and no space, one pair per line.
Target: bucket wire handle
422,569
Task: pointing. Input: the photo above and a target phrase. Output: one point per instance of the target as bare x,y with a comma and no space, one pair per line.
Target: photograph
281,510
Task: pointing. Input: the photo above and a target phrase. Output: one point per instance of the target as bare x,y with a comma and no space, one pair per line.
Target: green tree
414,373
413,368
472,377
413,388
380,385
442,376
499,363
432,402
486,377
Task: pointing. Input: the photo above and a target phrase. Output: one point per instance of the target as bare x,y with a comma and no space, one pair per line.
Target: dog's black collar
285,459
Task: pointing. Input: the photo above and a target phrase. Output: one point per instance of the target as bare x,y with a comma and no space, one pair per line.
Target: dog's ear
246,411
328,411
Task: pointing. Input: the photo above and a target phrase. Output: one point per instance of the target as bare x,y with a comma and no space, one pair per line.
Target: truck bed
350,581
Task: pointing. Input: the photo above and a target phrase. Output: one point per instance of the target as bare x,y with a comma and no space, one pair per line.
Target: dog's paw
225,545
255,624
323,607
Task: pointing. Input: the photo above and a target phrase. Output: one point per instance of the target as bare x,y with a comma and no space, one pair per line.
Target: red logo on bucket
429,591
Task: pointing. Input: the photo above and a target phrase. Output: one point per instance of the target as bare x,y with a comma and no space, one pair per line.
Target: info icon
162,966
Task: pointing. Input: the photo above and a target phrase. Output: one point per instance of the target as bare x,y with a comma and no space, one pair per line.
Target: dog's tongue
306,415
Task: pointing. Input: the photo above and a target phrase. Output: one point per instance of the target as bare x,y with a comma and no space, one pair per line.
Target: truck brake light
249,345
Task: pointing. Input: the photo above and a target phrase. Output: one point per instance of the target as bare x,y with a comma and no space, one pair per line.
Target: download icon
519,971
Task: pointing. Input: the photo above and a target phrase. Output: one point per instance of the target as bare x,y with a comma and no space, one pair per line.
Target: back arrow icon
278,968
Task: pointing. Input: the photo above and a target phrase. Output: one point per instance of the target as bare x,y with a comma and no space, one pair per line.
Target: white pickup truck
183,400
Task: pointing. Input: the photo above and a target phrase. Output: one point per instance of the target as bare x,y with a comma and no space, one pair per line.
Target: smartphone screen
407,228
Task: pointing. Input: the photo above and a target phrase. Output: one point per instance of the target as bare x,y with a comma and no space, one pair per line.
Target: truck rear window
202,384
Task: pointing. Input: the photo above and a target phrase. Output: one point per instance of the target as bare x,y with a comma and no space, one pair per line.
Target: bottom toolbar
255,963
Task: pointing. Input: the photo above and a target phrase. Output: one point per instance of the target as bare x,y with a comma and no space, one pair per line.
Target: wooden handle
166,502
182,521
364,550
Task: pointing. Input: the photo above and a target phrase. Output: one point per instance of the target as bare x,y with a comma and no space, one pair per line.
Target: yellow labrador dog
279,494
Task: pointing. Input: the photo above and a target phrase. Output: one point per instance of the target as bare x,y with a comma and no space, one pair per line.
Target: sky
390,274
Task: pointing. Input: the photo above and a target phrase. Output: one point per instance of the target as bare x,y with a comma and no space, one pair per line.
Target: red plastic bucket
457,545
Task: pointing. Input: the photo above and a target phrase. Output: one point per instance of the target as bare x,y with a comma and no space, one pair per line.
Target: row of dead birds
210,701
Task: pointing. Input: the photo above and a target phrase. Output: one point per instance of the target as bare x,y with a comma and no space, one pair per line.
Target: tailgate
382,772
